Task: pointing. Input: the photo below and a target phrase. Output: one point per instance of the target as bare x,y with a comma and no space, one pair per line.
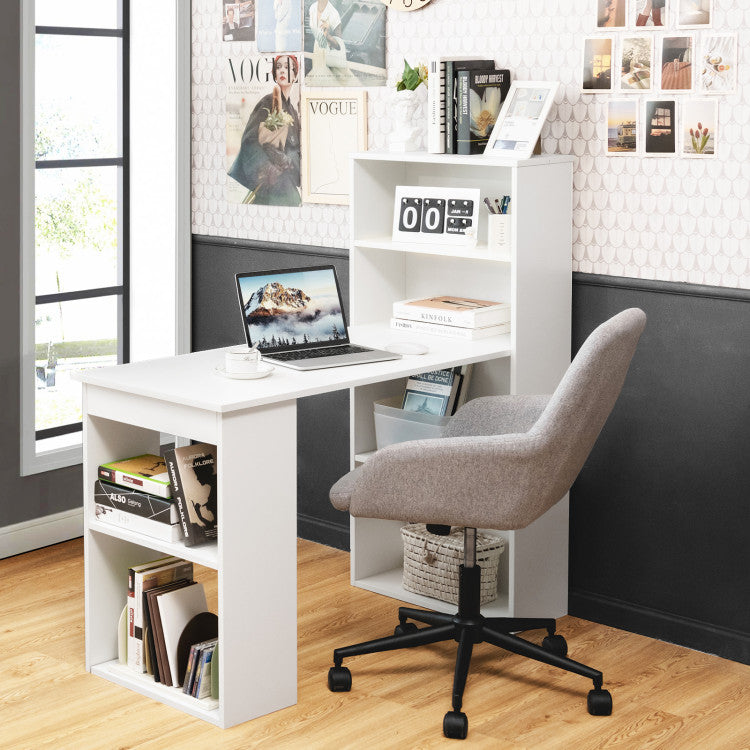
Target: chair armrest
496,415
495,482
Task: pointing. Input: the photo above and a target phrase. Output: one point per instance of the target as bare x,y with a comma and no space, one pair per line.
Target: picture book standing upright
192,473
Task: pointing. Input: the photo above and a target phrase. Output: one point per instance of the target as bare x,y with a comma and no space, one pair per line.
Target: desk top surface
192,379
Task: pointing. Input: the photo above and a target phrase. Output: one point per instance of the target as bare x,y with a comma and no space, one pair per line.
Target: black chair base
467,628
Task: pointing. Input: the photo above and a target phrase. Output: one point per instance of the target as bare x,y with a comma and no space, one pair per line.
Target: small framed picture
649,15
660,127
717,65
611,14
677,63
622,127
700,122
334,125
694,14
597,64
521,118
636,64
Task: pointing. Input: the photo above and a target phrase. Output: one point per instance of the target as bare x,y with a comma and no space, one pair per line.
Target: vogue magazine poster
263,130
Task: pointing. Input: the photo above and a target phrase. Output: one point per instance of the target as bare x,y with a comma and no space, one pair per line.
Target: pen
489,205
505,204
497,204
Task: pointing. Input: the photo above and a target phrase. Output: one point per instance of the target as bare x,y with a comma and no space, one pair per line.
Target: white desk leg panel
257,489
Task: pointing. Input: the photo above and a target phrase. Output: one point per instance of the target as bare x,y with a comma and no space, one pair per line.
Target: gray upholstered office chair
503,462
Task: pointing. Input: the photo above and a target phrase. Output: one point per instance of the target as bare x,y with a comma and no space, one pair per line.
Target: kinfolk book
192,473
463,312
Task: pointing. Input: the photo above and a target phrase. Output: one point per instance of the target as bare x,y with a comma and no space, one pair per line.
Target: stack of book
464,99
135,493
198,674
164,600
457,317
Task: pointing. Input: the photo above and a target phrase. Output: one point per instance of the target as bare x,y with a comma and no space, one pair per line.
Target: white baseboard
40,532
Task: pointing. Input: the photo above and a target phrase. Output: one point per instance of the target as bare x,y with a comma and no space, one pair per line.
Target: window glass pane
96,14
76,229
70,336
77,97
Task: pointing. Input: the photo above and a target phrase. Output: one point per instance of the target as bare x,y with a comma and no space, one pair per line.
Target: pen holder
498,235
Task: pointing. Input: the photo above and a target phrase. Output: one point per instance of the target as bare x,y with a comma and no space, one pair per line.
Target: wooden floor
664,696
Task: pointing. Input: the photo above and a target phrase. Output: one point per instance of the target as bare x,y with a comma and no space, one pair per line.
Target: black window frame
121,290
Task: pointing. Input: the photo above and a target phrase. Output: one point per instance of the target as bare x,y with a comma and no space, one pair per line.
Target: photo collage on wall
278,53
668,52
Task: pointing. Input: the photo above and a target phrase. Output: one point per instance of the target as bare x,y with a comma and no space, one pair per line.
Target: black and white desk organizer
437,215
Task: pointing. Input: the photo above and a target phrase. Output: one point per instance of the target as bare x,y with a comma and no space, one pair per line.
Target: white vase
408,120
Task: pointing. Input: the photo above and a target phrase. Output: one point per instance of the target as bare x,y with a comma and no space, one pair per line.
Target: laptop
296,318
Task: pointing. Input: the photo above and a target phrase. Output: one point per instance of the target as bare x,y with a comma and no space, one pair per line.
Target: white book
166,532
436,329
464,312
176,609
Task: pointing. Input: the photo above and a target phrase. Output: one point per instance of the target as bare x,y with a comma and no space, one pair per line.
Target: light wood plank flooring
665,696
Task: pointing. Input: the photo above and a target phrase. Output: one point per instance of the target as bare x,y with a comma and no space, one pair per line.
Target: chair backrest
579,407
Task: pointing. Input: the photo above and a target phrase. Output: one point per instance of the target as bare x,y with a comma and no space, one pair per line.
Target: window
81,182
105,203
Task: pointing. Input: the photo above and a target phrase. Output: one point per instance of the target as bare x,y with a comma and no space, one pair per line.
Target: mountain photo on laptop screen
288,309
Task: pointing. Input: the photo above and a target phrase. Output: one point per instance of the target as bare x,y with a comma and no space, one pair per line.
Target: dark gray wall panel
660,514
21,498
322,421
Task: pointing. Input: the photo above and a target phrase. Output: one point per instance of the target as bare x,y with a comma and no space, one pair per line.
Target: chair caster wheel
599,702
404,628
455,725
339,680
556,645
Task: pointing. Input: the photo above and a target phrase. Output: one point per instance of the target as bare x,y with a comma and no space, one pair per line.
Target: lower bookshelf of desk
390,584
206,709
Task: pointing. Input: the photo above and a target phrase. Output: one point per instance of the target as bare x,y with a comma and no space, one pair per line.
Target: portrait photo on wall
344,42
263,130
660,126
597,64
622,126
694,14
279,25
636,63
677,63
650,14
717,65
611,14
238,24
700,121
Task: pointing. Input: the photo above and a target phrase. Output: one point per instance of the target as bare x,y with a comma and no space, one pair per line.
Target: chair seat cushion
341,492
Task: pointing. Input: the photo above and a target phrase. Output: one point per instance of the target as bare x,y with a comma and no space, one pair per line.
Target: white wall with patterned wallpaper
673,219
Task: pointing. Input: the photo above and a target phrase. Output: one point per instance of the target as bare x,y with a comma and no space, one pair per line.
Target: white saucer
261,372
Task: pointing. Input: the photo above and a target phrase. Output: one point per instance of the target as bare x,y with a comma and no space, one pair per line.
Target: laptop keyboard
332,351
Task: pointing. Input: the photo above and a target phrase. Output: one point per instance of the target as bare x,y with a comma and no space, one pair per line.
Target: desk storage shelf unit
532,579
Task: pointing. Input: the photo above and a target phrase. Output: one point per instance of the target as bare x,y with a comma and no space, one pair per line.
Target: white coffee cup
240,360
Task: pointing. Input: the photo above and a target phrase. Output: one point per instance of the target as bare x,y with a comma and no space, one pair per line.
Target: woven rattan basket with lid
431,562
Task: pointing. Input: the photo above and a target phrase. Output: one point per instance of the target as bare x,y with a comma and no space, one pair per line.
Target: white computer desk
253,423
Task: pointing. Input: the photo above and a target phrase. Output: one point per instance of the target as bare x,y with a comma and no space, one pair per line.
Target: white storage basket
431,562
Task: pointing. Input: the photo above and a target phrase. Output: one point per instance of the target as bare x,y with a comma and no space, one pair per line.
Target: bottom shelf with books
207,709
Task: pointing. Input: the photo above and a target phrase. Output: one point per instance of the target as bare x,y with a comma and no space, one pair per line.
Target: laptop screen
292,309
